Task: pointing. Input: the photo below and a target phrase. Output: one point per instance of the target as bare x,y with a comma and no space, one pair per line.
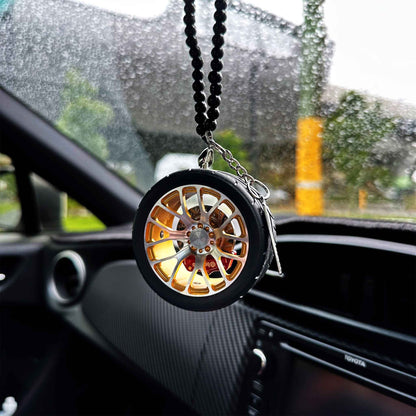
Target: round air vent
67,277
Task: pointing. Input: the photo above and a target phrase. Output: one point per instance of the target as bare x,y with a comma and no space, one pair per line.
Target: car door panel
21,262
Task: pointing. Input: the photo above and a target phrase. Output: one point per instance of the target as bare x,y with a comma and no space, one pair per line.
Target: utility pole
309,193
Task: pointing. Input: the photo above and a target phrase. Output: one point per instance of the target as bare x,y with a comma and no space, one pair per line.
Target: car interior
82,333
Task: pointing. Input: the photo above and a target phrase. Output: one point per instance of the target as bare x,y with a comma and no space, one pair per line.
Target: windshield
318,101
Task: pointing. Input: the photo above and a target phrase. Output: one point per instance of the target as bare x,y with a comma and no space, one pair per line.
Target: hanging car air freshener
202,238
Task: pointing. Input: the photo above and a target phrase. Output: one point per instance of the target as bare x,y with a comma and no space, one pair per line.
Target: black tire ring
259,255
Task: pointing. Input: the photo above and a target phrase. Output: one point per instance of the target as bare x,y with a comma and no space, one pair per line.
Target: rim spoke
227,221
190,280
161,225
176,268
197,267
180,255
203,213
163,240
231,256
174,213
221,268
233,237
206,278
214,207
173,234
185,213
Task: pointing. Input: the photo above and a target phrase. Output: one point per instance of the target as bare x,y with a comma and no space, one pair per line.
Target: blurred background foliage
351,135
84,116
231,141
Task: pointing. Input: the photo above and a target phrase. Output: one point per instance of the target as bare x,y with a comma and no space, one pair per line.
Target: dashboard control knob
260,361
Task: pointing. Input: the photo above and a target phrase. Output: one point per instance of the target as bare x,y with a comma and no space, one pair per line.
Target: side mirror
50,204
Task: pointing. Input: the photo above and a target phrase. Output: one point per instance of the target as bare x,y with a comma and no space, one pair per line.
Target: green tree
84,116
351,135
8,185
231,141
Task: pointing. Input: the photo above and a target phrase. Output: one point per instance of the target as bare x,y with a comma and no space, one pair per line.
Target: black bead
198,86
218,41
206,119
190,30
189,19
191,41
189,8
197,63
219,29
214,101
200,129
216,65
213,113
195,52
220,4
217,53
197,75
220,16
200,118
210,125
200,107
214,77
215,89
199,97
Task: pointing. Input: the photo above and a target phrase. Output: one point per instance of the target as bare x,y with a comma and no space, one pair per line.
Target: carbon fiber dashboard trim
224,360
198,356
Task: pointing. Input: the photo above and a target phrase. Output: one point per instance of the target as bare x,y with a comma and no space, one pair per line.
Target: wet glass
117,80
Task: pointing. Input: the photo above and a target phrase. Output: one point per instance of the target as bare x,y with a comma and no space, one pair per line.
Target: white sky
374,39
374,43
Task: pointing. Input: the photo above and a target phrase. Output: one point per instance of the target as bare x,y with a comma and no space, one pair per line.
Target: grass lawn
373,216
84,223
6,206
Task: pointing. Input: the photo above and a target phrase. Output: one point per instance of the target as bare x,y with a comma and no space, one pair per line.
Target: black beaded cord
206,118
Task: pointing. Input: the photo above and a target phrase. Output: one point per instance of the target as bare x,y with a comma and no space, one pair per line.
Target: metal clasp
208,138
206,158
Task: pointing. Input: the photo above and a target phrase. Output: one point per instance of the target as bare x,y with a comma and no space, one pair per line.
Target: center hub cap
199,238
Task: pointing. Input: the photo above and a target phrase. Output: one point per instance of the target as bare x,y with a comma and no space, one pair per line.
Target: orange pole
309,194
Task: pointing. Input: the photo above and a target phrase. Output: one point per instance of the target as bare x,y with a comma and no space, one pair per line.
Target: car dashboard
343,315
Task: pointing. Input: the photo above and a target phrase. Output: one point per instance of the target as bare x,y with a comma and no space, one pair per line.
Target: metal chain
206,118
206,159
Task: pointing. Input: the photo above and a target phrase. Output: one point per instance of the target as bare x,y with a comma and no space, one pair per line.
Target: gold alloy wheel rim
196,240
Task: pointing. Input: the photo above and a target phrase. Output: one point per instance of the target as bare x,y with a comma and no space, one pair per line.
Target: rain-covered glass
116,78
